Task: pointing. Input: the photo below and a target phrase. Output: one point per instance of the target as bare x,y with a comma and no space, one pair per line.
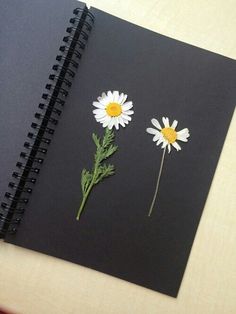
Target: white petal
182,138
111,123
105,101
156,124
183,135
100,118
129,112
98,105
106,122
99,112
166,122
107,118
103,119
160,140
124,99
176,146
169,148
120,120
110,96
174,124
120,98
165,143
116,123
128,105
156,137
102,98
103,95
126,117
152,131
115,96
184,131
96,111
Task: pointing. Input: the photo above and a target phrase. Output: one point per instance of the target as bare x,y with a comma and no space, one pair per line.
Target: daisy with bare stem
168,137
112,110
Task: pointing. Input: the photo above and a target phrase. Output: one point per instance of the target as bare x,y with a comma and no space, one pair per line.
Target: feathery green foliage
104,149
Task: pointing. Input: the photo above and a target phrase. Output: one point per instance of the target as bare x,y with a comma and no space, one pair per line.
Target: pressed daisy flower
113,110
167,135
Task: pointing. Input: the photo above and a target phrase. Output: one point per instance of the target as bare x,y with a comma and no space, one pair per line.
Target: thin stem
84,200
158,183
87,192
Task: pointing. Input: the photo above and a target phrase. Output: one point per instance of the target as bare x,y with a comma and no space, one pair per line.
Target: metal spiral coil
12,197
18,176
43,139
7,208
54,77
70,39
76,52
56,91
45,129
14,186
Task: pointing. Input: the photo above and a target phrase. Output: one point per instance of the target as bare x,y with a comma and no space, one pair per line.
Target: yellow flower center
113,109
169,134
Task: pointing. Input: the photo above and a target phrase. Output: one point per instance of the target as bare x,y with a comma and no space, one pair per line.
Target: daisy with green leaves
112,110
167,137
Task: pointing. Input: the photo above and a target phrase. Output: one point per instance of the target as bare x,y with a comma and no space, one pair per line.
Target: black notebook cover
163,77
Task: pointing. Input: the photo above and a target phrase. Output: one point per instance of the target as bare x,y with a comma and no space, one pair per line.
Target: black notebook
110,137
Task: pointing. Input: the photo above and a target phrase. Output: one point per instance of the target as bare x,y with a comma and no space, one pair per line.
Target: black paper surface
162,77
31,33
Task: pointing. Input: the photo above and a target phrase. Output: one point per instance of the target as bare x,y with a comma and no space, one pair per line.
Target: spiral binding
56,92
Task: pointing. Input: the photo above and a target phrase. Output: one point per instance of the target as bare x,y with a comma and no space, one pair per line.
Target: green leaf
86,179
108,138
110,151
96,140
108,170
104,149
104,171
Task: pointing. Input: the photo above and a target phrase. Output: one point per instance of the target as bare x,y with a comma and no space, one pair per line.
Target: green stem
157,184
105,149
84,201
85,196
